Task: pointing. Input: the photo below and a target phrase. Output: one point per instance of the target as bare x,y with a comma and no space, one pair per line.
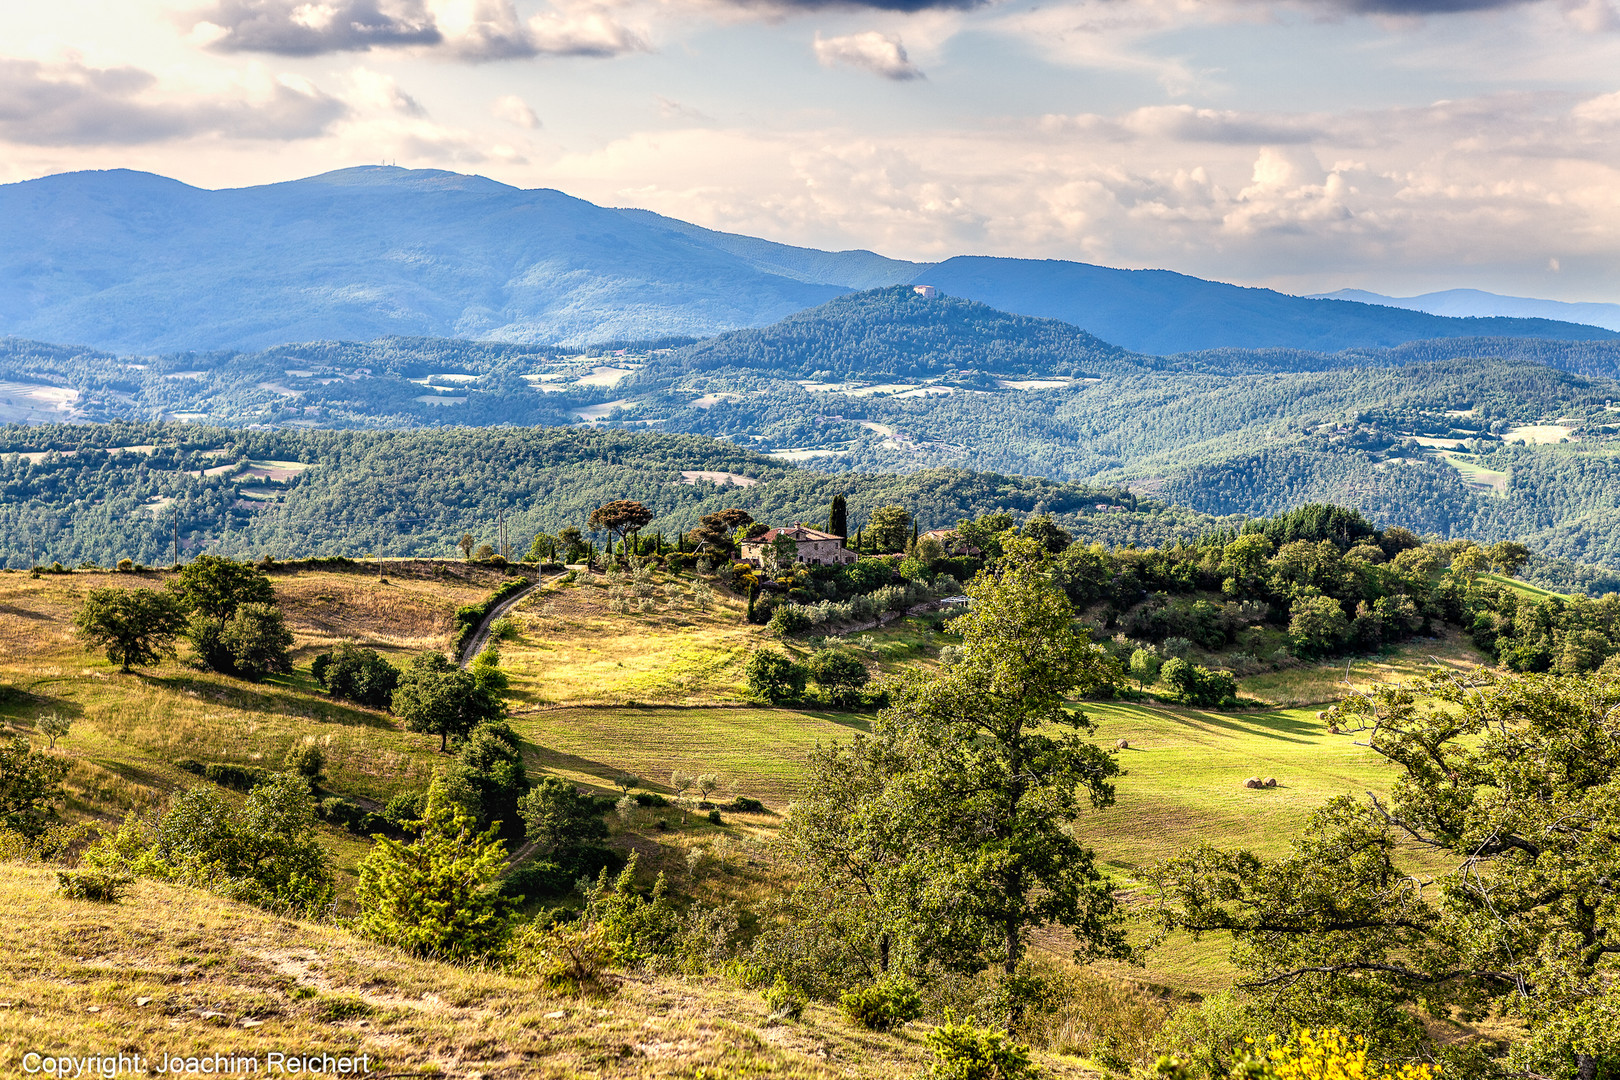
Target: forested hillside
74,493
881,382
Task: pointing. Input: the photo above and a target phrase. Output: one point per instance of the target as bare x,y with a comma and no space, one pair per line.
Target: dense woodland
418,492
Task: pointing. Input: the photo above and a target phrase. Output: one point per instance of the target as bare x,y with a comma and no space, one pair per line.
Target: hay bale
1333,729
1123,744
1271,781
1253,782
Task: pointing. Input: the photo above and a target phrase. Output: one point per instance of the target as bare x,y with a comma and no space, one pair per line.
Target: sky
1401,146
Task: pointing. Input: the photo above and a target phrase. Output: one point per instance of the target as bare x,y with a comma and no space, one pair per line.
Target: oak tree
134,626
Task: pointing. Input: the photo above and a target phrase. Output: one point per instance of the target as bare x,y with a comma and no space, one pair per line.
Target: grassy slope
1183,784
176,971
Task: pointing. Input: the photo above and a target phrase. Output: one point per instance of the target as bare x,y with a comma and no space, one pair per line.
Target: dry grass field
173,971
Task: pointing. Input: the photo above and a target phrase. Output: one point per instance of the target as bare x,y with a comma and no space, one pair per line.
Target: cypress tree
838,517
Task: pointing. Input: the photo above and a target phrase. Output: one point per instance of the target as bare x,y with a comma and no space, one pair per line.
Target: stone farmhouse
815,547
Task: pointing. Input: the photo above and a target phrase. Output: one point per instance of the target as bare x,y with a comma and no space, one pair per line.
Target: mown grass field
572,650
1314,684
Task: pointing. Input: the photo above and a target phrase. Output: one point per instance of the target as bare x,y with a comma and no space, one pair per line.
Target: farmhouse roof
798,533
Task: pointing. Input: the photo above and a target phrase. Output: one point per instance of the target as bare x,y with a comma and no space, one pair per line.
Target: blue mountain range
136,263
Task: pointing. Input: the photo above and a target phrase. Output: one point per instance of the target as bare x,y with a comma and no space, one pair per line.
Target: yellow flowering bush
1326,1055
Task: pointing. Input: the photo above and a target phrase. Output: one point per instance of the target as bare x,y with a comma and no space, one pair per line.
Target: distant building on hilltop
820,548
927,292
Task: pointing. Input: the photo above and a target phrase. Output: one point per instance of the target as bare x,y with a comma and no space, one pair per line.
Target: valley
547,640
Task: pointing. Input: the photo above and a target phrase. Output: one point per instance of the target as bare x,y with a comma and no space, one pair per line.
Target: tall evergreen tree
838,517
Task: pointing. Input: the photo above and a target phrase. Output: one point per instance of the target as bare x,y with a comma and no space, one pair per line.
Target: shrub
256,640
236,777
102,886
486,669
439,895
964,1051
126,565
350,815
534,880
30,786
568,957
640,927
839,675
1326,1055
744,804
490,765
306,759
787,620
773,677
650,799
714,817
503,629
561,818
263,851
405,809
470,616
1194,684
883,1005
355,674
785,1002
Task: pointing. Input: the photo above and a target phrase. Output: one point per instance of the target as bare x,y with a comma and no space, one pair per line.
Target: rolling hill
1161,312
129,262
1475,303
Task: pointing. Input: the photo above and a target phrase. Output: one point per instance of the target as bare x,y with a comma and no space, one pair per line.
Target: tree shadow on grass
24,706
141,775
557,761
1266,725
853,721
248,697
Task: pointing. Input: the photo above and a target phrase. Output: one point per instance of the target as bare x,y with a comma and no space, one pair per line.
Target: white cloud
308,27
68,103
514,110
1434,190
882,54
473,30
374,90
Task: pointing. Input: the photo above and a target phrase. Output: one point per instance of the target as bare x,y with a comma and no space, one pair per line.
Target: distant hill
1464,303
1161,312
896,332
129,262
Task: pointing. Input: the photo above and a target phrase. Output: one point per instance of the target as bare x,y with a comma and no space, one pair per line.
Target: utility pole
33,557
177,537
501,518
